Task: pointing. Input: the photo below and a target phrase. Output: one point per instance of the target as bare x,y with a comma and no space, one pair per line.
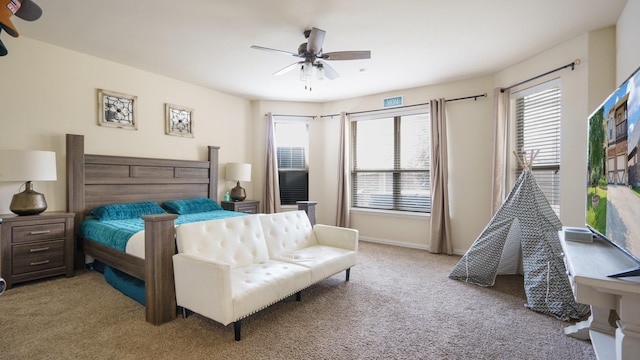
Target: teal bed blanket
116,233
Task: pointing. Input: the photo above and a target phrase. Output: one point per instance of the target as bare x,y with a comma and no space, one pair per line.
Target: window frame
516,169
297,120
396,171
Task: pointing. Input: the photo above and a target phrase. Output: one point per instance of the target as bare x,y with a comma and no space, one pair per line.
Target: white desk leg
598,320
628,332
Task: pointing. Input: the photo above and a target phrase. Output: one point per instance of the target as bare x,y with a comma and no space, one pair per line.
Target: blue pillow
191,206
127,211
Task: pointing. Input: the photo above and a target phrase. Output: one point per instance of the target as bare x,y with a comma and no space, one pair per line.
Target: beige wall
48,91
40,101
628,51
469,133
468,128
574,117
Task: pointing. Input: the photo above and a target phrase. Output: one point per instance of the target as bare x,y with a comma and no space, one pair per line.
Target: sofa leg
348,273
236,329
299,296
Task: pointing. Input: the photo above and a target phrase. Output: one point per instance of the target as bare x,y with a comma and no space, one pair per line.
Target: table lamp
238,172
28,166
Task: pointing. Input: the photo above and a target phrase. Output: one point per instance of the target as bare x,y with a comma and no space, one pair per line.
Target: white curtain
271,201
342,214
500,145
440,217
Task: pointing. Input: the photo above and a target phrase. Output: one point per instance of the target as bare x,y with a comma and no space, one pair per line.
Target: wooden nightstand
246,206
36,246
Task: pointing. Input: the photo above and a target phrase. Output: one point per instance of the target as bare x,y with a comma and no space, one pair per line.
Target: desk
587,266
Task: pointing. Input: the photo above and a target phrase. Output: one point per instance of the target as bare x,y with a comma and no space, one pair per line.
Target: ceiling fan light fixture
303,75
307,67
306,71
320,72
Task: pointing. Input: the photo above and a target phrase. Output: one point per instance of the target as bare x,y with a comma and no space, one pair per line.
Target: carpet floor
399,304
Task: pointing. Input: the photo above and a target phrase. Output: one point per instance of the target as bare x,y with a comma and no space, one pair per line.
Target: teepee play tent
522,238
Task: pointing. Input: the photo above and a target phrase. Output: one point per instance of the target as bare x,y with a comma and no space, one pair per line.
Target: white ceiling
412,42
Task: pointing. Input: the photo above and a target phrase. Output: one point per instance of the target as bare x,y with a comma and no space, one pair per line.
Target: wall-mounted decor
179,120
117,110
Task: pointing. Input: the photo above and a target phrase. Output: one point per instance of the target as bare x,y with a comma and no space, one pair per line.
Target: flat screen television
613,171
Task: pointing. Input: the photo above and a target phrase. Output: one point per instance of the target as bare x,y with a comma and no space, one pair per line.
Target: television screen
613,186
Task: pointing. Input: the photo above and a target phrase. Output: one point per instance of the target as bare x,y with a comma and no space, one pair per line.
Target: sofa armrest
335,236
204,286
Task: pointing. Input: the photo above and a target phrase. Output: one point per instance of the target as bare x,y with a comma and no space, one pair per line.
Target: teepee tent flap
522,237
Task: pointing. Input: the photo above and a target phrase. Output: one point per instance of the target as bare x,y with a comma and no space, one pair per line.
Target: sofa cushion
323,261
237,241
287,231
257,286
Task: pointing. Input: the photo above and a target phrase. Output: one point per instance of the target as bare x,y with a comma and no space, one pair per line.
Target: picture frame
179,120
117,110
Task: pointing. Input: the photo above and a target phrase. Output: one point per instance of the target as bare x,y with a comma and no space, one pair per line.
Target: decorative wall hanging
117,110
179,120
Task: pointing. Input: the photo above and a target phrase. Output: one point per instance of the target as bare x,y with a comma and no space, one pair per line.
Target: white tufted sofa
231,268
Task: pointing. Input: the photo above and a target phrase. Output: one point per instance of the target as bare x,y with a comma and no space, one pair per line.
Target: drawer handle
39,263
40,249
40,232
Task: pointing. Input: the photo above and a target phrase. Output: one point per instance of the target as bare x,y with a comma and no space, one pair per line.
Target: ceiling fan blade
288,68
329,72
315,41
347,55
274,50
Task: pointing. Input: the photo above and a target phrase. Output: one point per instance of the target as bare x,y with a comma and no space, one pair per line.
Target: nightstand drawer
249,208
38,256
38,232
246,206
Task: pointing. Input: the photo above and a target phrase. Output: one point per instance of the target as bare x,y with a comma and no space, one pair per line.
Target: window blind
292,158
538,115
390,163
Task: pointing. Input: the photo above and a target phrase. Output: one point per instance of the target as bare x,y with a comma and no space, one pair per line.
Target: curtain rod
302,116
572,66
474,97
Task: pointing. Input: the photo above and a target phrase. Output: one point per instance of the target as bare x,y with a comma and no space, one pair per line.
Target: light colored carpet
399,304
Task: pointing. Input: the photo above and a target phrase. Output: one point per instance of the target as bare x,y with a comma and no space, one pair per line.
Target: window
538,114
292,144
390,162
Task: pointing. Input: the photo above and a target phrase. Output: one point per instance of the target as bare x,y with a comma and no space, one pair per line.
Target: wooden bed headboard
95,180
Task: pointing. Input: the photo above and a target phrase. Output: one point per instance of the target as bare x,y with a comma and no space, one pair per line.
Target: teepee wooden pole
525,161
534,153
518,158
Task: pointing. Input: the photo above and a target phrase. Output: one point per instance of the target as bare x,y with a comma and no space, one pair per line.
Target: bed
96,180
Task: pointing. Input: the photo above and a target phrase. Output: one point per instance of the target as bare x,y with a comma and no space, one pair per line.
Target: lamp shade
238,172
27,165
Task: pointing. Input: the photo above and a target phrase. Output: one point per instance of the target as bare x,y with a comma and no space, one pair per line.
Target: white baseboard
404,244
394,243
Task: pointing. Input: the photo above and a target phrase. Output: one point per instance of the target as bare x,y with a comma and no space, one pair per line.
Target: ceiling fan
313,57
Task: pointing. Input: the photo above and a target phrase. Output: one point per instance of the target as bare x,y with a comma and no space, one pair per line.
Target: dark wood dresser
36,246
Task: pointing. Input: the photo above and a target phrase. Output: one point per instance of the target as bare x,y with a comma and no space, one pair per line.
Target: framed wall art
117,110
179,120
